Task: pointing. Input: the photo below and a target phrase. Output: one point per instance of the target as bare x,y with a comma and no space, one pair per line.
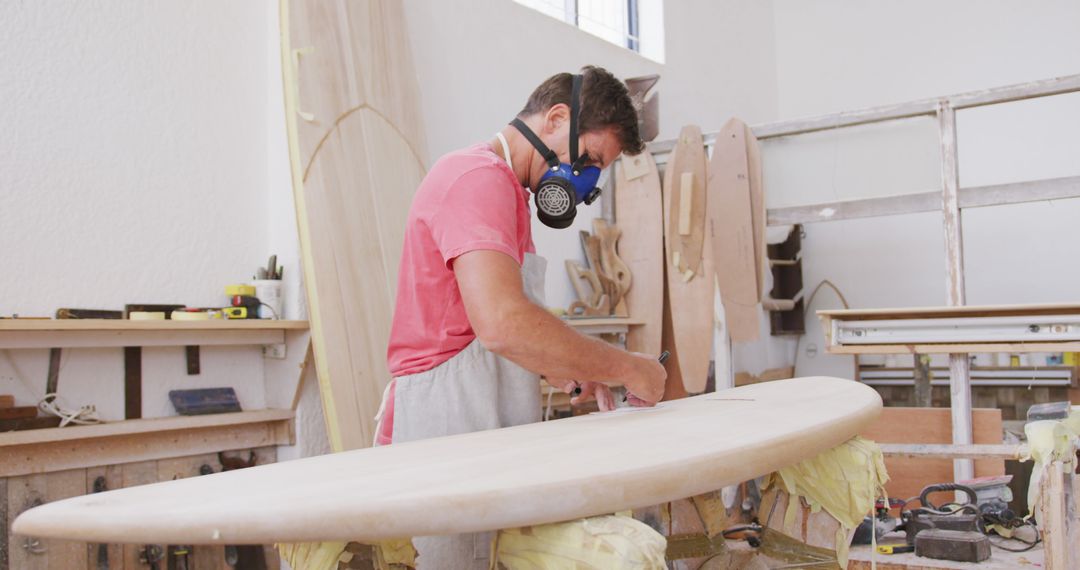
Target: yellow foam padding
247,290
611,541
146,316
1049,441
326,555
845,481
312,555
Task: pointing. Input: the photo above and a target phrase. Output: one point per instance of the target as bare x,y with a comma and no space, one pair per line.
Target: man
470,336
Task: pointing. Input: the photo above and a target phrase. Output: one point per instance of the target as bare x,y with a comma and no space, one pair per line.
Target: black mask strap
549,155
575,109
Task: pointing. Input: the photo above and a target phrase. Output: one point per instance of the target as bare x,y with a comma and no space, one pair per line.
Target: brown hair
605,103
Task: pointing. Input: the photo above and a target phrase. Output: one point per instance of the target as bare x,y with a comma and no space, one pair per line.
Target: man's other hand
645,380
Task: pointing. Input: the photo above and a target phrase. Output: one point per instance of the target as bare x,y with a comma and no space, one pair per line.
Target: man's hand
604,399
645,380
564,385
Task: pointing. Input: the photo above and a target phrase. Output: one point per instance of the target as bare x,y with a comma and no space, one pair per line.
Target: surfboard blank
531,474
639,211
356,147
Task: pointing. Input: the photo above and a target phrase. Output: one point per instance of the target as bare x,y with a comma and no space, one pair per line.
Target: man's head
578,125
607,121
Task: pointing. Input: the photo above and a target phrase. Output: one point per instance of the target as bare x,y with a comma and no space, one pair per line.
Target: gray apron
473,391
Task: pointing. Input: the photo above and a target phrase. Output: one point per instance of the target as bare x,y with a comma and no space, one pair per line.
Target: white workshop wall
478,60
834,55
133,168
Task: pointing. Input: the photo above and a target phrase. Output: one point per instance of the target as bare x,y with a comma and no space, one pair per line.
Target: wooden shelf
603,325
127,441
62,333
953,312
968,348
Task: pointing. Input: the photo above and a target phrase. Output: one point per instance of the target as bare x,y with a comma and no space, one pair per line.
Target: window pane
553,8
604,18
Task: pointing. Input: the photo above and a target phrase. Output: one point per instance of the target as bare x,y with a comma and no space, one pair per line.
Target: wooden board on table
524,475
357,153
733,232
639,209
908,476
689,290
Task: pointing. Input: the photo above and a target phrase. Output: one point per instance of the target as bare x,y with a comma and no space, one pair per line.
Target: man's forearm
539,341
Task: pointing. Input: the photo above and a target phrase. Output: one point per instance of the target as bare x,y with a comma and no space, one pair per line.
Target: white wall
836,55
134,169
478,60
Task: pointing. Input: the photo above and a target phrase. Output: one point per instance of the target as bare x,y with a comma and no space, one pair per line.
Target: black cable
1030,544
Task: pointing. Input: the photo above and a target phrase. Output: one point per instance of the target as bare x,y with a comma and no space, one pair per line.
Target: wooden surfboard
639,211
734,238
688,261
757,207
357,153
525,475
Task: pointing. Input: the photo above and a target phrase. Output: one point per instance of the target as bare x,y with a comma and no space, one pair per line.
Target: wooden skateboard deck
757,207
732,231
690,291
357,154
639,210
525,475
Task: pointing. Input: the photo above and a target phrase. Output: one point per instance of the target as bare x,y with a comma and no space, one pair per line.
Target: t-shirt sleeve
478,212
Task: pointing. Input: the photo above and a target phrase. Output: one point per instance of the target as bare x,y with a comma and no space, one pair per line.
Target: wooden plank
111,554
1016,92
854,209
1053,517
632,459
917,202
690,291
732,232
170,469
863,557
149,425
956,295
62,485
988,347
923,379
18,412
114,325
992,96
25,553
1033,309
908,476
7,400
5,524
639,205
95,339
133,475
132,382
52,452
953,451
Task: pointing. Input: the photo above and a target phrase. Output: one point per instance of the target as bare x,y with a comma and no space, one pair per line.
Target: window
634,24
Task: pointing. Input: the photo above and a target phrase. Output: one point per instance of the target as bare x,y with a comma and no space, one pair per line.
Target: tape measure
235,312
894,548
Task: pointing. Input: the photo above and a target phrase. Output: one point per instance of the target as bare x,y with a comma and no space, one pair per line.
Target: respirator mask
563,186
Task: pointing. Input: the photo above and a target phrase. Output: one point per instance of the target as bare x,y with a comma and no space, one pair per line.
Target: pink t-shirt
470,200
